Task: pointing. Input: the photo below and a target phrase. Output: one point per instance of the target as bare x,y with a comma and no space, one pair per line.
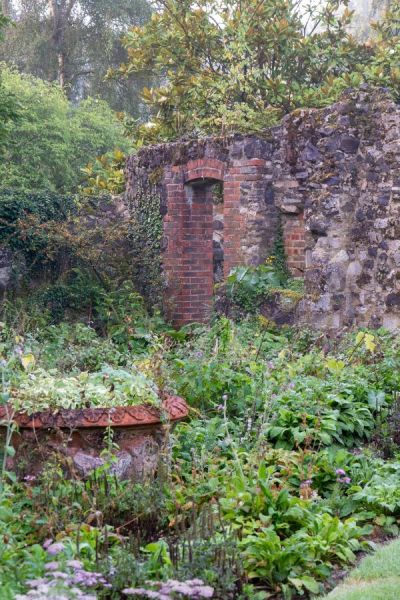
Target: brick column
198,270
188,231
173,232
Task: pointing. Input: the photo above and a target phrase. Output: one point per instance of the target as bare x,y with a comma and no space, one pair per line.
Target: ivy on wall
53,238
145,237
19,210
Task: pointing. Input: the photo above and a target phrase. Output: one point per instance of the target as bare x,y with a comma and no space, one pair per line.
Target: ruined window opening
218,231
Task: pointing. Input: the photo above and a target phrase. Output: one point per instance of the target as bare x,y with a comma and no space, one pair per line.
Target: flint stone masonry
330,179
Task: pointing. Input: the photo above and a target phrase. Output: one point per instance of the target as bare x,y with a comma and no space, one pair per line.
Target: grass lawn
376,578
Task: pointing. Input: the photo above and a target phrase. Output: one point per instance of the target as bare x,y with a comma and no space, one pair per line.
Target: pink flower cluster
64,579
192,588
342,477
305,484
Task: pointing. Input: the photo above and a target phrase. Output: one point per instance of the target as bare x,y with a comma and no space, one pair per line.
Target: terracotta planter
78,438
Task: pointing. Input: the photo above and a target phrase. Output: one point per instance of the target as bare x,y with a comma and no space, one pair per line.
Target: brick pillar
173,246
294,239
198,270
188,229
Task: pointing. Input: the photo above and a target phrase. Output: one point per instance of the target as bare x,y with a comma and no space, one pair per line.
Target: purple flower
59,575
74,564
55,548
145,593
88,578
192,588
345,480
30,478
306,483
33,583
47,543
51,566
340,472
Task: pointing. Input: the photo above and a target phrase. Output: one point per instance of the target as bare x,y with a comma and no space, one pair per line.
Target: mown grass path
376,578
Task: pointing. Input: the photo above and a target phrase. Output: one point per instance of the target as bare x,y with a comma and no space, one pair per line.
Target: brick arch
188,229
204,168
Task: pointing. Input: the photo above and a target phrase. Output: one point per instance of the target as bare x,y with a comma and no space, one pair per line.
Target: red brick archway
188,230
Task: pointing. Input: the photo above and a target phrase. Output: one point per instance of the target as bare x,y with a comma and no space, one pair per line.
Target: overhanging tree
241,64
53,139
237,63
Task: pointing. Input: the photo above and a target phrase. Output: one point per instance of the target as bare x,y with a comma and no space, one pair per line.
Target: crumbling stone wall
352,213
331,177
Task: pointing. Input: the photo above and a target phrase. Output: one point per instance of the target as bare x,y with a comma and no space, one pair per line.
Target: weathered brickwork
187,174
294,240
330,176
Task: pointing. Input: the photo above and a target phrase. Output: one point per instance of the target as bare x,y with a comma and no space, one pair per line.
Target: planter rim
120,416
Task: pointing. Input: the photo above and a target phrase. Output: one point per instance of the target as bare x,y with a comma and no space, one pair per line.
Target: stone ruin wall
331,177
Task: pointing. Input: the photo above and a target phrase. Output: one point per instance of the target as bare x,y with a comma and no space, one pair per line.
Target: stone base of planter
129,442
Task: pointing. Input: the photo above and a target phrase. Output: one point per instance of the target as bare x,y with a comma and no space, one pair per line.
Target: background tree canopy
184,66
52,140
242,64
75,42
8,104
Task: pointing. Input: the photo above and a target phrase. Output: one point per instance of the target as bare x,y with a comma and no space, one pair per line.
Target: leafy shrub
52,139
283,537
381,493
246,286
16,210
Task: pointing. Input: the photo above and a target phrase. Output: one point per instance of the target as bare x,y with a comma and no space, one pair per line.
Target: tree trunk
60,11
6,8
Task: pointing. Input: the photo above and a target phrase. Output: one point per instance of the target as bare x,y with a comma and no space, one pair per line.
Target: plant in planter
74,417
108,388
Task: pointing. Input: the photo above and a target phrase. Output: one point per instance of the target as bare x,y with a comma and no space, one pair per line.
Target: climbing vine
19,211
279,254
145,237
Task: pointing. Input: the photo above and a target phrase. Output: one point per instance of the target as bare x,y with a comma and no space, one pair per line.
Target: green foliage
384,68
19,208
381,493
81,38
106,174
8,102
108,388
248,286
267,490
52,139
239,65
